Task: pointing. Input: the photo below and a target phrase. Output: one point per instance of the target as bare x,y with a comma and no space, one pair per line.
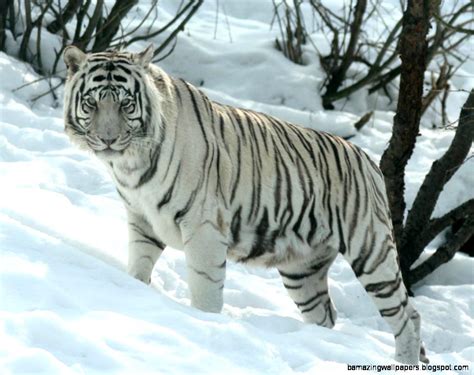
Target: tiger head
109,100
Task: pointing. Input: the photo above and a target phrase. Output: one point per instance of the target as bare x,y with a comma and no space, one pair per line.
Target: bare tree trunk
406,123
419,228
111,25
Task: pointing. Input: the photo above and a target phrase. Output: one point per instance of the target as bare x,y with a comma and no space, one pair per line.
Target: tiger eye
125,103
90,101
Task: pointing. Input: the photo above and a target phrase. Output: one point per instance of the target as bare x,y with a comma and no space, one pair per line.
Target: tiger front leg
206,250
144,248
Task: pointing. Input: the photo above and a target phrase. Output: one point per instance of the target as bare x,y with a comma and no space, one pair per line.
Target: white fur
262,164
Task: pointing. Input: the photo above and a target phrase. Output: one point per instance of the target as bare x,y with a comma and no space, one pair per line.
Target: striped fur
221,182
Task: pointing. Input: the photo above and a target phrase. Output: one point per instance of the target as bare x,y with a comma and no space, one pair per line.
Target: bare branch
292,30
179,28
169,24
338,73
5,5
444,253
64,17
363,120
440,173
27,34
456,28
86,37
437,86
444,99
111,25
437,225
79,21
136,28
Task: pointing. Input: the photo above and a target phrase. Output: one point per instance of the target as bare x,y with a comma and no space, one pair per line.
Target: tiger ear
144,57
73,58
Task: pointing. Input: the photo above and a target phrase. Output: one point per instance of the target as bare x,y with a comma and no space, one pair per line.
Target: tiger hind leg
379,273
308,287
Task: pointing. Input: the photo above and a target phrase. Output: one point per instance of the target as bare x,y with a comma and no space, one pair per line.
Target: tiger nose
108,141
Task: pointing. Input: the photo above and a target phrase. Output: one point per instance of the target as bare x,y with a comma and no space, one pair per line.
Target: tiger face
107,102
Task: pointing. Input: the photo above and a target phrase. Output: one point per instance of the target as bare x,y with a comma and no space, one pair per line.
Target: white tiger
221,182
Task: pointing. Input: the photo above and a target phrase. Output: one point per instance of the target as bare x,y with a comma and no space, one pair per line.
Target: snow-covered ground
68,307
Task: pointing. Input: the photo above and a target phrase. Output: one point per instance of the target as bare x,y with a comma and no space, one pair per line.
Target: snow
67,305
